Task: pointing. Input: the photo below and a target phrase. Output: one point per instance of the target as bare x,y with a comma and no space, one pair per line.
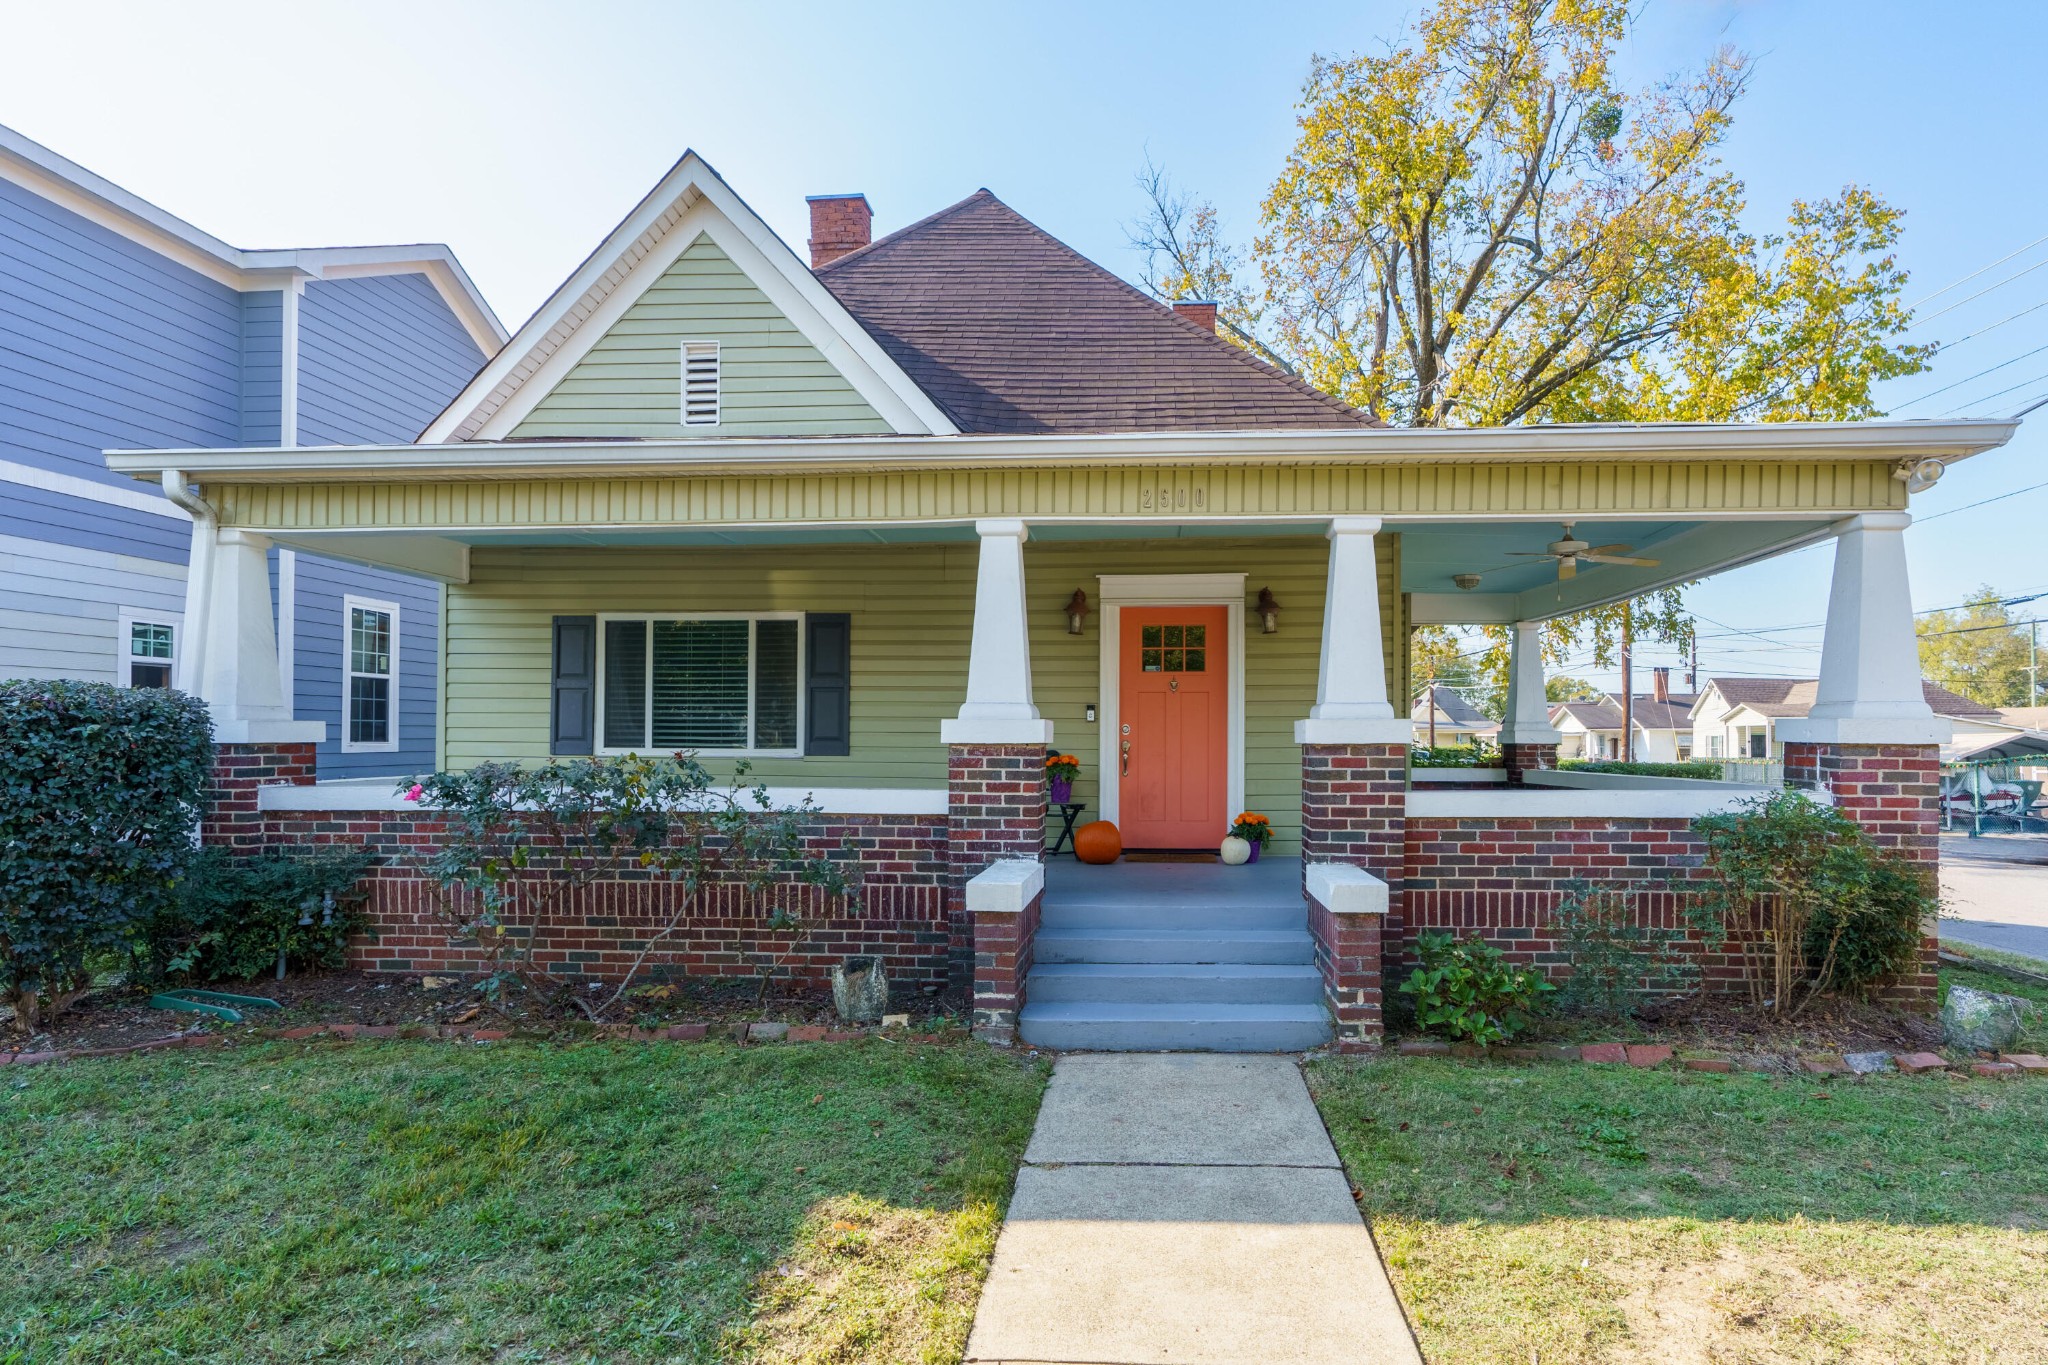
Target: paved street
1997,886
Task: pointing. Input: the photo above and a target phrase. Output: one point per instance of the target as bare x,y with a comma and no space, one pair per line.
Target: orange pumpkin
1098,842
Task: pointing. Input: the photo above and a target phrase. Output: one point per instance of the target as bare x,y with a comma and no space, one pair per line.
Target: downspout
191,669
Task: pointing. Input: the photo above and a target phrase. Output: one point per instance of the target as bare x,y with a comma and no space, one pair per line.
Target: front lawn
1587,1213
424,1201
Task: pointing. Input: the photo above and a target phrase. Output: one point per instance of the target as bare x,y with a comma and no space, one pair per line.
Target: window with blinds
719,684
700,383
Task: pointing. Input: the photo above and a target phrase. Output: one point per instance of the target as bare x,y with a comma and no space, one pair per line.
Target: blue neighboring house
123,326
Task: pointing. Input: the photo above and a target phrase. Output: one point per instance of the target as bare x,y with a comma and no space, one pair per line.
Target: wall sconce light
1465,581
1077,612
1269,612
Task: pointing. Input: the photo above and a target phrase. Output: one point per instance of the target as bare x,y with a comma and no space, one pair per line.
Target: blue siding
38,514
318,662
262,367
104,343
379,357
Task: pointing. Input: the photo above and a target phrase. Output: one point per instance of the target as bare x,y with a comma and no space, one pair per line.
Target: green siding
773,382
912,609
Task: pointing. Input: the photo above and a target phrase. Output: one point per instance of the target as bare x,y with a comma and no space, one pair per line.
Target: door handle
1126,771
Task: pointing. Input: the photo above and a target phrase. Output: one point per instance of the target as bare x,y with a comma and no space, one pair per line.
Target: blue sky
520,132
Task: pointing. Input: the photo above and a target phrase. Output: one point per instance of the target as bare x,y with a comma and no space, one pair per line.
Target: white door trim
1117,591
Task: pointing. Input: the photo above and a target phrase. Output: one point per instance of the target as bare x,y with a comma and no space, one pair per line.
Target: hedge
100,794
1705,772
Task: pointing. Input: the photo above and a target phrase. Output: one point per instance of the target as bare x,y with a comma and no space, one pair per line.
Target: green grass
421,1201
1607,1214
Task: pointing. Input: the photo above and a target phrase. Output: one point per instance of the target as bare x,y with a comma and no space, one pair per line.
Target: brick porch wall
995,809
231,818
1894,792
1522,758
1003,957
1353,809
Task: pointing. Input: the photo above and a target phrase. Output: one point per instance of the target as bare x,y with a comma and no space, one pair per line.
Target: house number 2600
1167,499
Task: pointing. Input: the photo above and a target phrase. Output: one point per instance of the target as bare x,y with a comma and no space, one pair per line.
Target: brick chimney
1660,684
1201,312
839,223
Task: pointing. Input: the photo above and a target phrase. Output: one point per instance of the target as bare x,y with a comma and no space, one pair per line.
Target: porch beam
436,557
1869,690
1463,608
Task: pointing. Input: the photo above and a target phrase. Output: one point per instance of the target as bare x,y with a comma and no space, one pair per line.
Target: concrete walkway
1185,1208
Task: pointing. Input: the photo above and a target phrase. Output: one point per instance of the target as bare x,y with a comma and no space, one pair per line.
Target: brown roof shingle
1012,331
1781,698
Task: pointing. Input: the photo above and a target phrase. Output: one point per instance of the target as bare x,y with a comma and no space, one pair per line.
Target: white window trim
135,616
802,664
717,383
349,603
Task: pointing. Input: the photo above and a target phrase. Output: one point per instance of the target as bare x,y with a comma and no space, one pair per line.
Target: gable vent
700,383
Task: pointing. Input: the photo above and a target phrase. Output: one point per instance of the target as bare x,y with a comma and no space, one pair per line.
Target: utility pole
1628,685
2033,659
1429,700
1692,667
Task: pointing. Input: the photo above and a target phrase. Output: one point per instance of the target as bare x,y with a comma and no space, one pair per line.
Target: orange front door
1173,721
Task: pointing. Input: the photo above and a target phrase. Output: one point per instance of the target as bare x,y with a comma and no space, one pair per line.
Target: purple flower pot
1062,790
1256,846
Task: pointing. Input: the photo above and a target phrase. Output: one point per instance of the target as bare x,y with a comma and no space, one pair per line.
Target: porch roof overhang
1908,442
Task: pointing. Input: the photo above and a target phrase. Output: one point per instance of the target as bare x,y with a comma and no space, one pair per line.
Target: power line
1972,336
1989,288
1971,403
1979,375
1985,502
1929,298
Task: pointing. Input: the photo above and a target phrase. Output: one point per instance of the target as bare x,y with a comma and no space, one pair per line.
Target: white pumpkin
1235,851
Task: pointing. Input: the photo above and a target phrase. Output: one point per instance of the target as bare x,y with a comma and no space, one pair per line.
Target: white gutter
1894,441
190,661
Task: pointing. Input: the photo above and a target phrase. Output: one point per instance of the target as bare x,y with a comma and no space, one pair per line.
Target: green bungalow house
892,523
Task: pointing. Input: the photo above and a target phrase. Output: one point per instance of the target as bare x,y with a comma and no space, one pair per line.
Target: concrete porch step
1094,1026
1264,946
1069,911
1161,983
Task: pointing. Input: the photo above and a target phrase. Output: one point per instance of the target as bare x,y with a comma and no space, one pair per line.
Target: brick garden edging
1647,1055
738,1031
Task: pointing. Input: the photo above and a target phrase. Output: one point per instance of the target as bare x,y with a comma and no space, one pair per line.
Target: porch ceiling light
1465,581
1269,612
1077,612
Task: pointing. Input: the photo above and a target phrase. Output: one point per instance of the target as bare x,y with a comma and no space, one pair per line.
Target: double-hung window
716,684
369,697
148,651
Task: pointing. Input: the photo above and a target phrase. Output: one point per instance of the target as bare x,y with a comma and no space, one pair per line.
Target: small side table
1070,811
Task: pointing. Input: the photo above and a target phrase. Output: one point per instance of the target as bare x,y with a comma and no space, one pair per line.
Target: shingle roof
1594,715
1781,698
1010,330
1453,708
1651,714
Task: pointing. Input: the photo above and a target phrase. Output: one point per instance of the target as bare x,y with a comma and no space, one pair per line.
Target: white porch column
999,709
1869,690
1351,687
1528,709
234,664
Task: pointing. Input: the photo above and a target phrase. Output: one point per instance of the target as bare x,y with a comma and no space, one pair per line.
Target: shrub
100,791
1697,768
235,918
1466,990
521,842
1454,756
1809,903
1616,958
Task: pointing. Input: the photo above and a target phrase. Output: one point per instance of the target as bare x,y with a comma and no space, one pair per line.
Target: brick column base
1002,960
1354,809
1522,758
995,809
231,818
1894,792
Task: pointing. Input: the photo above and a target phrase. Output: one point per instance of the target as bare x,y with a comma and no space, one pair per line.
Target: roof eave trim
591,459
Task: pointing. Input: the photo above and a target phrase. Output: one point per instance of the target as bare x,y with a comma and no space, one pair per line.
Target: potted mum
1060,771
1254,829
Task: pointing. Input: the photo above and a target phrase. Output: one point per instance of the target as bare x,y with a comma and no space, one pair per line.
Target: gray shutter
574,713
828,683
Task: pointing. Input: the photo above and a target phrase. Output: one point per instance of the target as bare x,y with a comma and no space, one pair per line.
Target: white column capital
1869,690
235,535
235,665
1528,709
1353,526
998,708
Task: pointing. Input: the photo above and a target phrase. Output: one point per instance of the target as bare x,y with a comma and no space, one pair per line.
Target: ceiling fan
1571,552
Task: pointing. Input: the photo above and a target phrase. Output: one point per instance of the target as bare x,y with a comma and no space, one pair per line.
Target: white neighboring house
1737,718
1662,720
1457,721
